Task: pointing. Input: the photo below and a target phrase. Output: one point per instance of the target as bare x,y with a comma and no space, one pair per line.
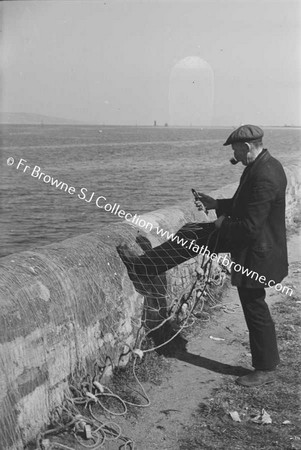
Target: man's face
240,150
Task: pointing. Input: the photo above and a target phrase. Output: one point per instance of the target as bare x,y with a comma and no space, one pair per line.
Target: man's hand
208,202
219,221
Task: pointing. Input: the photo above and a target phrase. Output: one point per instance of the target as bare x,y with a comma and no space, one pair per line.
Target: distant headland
34,119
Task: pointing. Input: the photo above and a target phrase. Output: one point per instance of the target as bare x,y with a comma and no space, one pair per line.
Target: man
251,226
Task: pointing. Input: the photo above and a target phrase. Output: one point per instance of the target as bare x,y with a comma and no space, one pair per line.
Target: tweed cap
245,133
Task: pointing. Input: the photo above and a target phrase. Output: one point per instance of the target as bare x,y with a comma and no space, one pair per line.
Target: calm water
141,169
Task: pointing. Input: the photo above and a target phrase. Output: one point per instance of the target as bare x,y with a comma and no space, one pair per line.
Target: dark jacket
255,226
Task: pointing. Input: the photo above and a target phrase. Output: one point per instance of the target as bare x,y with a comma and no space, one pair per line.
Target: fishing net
170,307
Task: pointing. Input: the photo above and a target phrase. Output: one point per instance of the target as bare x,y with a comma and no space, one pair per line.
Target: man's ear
249,155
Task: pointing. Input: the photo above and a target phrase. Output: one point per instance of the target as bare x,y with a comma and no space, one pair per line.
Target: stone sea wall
72,304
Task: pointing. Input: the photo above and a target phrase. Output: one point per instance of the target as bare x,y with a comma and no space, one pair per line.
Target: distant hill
28,118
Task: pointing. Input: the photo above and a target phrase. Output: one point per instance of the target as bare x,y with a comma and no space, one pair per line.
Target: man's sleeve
246,229
224,206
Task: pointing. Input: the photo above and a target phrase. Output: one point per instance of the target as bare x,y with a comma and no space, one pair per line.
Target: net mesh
171,307
176,281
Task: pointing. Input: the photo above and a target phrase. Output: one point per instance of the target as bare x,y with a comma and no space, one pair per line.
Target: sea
139,168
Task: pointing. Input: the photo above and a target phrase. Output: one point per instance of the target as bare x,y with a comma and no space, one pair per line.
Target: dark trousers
261,327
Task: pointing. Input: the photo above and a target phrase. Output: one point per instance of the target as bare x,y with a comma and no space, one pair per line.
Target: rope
88,429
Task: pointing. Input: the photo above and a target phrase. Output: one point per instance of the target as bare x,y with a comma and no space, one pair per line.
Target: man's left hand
219,221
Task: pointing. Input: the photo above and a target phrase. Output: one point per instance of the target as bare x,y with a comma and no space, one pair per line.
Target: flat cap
245,133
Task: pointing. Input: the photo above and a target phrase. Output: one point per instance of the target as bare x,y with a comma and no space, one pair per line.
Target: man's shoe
127,256
142,282
257,378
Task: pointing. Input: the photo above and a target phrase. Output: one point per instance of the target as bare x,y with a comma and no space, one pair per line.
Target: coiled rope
90,431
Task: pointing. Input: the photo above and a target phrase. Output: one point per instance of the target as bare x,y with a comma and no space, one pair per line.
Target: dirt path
192,378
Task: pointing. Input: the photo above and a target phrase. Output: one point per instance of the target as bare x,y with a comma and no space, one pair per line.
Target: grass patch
152,369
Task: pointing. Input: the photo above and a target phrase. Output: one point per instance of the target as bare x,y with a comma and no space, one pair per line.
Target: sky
121,61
